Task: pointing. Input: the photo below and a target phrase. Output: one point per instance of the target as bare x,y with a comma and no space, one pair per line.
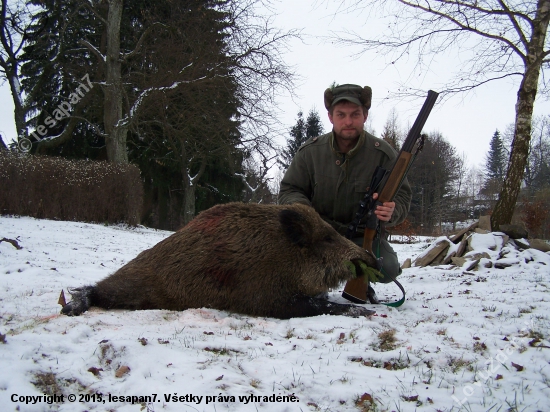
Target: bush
406,230
77,190
535,215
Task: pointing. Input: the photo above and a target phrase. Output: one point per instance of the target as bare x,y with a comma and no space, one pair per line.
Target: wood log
458,261
432,253
485,223
456,238
439,258
448,259
473,265
462,247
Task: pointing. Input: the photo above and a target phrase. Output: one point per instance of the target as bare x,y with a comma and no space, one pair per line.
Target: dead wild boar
259,260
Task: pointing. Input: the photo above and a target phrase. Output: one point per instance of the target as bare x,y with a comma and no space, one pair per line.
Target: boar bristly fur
260,260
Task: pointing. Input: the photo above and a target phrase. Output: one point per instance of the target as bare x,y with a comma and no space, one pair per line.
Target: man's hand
384,211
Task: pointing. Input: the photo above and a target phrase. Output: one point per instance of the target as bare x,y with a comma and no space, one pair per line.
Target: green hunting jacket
334,183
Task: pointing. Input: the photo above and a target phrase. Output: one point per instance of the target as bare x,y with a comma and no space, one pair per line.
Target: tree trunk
116,132
163,207
19,110
189,204
504,208
189,184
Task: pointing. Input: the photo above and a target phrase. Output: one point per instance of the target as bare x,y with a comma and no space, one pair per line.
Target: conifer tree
496,159
314,127
191,81
297,138
299,133
495,169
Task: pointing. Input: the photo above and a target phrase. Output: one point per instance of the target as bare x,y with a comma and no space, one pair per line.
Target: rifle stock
356,289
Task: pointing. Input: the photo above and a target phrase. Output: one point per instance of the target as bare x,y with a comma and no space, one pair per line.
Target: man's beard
353,136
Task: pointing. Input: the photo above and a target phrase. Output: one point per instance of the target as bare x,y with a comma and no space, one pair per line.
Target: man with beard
332,172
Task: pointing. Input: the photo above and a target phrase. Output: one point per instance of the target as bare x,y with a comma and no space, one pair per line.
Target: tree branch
126,56
464,26
515,24
87,5
93,49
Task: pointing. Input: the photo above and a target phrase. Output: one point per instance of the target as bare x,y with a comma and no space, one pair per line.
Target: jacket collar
353,151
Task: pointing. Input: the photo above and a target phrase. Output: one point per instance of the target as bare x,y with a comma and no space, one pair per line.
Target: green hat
361,96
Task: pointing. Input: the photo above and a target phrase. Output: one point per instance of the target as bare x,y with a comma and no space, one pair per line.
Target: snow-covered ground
462,341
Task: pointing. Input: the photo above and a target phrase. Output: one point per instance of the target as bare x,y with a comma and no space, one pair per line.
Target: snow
456,338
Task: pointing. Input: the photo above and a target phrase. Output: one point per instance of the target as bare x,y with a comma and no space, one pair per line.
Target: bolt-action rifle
386,183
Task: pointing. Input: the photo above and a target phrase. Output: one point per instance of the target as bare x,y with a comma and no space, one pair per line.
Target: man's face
347,119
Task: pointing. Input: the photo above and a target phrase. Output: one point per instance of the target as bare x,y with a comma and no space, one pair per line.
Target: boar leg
301,306
81,300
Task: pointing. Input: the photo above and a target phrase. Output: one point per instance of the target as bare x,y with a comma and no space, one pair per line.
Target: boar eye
328,239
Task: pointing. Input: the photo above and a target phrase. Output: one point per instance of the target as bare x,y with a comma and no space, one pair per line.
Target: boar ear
295,227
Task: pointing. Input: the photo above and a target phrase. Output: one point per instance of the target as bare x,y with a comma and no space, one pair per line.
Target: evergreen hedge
76,190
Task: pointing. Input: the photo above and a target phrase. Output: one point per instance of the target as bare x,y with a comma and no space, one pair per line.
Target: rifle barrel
420,121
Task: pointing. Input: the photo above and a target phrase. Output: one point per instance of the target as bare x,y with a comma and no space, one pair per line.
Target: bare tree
21,24
256,180
14,19
120,108
255,47
126,69
12,38
391,132
434,179
502,39
459,183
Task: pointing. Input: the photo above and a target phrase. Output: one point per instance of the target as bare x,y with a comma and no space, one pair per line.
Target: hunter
331,173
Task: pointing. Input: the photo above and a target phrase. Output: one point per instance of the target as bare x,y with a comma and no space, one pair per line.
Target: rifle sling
399,285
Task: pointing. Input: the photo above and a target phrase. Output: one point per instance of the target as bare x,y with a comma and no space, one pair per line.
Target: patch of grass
255,383
386,341
365,403
50,384
441,332
448,338
221,351
393,364
441,318
343,379
458,363
533,334
289,333
412,398
480,347
522,348
47,383
107,353
424,320
489,308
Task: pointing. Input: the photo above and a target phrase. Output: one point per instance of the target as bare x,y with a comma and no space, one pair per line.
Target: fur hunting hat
361,96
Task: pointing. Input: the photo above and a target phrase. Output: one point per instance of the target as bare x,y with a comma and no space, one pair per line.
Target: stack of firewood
457,249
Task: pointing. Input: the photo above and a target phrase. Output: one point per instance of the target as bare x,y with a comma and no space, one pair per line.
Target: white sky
466,121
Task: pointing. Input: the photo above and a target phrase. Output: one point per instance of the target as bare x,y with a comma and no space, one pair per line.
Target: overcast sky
466,121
